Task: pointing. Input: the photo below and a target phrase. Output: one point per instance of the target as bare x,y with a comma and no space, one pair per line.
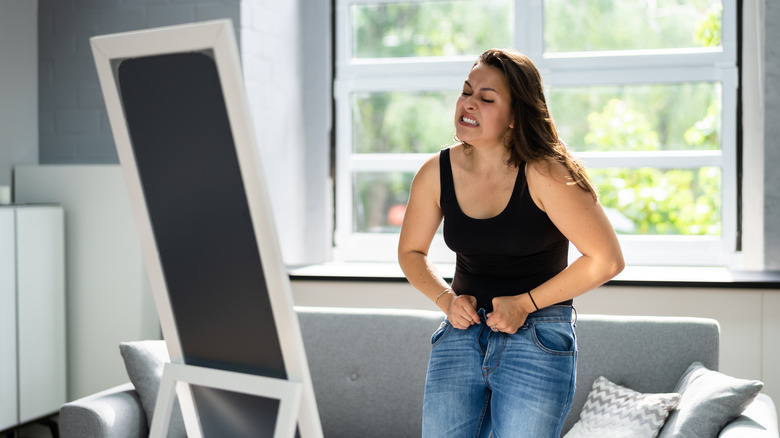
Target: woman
512,198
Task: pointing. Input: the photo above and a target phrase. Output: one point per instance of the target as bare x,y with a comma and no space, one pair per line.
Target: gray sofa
368,368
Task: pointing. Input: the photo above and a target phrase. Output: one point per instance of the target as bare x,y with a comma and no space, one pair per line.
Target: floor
46,428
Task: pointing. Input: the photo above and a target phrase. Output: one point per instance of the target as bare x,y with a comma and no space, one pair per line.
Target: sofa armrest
759,420
114,413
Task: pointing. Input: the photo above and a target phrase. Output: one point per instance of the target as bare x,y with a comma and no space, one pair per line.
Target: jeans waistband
556,313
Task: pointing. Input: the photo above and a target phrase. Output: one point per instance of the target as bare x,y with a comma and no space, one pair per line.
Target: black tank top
508,254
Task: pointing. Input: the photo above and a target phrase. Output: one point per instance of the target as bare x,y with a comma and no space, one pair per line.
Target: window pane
596,25
435,28
380,201
651,201
639,117
402,122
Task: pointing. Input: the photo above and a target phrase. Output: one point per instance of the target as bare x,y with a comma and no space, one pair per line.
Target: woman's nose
470,102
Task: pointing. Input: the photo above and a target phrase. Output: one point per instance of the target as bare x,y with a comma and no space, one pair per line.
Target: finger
461,319
464,313
467,318
472,313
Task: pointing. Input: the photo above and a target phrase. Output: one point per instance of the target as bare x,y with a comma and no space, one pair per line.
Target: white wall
749,321
108,296
18,85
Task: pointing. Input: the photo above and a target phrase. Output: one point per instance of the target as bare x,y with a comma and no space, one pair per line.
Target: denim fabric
509,385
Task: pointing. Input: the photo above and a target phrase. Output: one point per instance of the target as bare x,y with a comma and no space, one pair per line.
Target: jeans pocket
555,338
440,333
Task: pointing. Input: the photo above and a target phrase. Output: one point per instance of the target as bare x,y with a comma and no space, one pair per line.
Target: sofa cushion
709,401
613,410
144,362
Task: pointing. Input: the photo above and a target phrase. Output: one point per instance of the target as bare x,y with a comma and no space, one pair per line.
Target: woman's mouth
469,120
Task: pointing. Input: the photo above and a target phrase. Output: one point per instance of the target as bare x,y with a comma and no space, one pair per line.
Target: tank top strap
521,185
445,178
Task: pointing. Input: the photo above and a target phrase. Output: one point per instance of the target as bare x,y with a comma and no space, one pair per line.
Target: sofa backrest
643,353
368,366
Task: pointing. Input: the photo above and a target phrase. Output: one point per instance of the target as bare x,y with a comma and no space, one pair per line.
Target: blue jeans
511,386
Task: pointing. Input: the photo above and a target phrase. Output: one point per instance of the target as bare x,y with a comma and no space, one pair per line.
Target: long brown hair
534,136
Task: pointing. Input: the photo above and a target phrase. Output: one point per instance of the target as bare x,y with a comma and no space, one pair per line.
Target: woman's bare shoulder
547,171
429,171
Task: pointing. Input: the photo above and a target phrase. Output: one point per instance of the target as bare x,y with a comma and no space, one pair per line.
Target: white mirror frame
217,36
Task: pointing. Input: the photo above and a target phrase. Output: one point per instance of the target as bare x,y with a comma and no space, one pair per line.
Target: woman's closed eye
466,94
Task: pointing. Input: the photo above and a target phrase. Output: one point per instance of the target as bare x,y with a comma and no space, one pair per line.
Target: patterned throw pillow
615,411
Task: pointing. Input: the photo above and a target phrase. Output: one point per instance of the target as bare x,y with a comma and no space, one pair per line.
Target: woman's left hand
508,314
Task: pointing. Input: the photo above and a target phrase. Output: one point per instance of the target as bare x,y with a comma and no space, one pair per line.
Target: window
645,93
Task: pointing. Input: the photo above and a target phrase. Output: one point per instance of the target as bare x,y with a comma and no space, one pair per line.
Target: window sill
640,276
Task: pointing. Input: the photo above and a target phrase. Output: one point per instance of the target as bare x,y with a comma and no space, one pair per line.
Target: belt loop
575,315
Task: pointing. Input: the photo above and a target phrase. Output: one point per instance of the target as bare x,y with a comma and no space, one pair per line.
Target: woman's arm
421,220
582,220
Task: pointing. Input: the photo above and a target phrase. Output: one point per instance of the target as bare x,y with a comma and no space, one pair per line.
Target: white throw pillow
615,411
144,363
710,400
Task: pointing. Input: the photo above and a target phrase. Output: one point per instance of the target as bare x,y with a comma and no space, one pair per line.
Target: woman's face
483,114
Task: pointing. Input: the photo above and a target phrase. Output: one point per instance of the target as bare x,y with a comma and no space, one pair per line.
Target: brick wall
288,80
272,59
18,86
73,125
74,128
771,83
292,115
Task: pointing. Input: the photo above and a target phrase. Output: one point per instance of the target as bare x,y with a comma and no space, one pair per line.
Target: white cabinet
8,409
33,366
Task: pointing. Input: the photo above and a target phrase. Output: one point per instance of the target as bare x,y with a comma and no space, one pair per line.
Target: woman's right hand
462,311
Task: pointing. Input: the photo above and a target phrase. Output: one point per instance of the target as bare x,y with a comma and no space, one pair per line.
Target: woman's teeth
471,122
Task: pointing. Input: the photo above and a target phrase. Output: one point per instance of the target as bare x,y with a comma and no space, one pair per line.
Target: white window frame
559,69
